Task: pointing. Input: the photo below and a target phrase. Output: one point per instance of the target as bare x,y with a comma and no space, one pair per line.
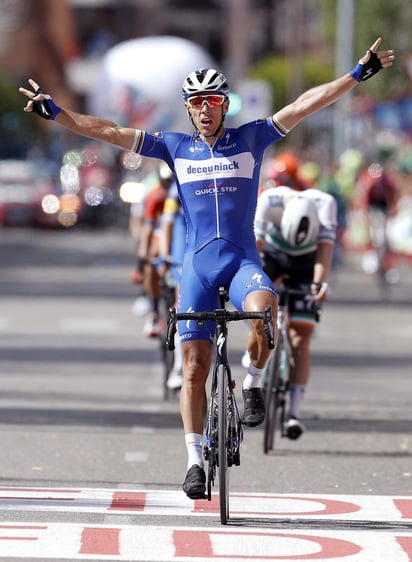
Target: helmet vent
302,231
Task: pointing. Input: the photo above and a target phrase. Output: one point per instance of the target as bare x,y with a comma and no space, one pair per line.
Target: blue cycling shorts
219,263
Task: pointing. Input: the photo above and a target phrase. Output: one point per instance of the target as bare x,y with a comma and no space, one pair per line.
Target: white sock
194,449
252,379
296,396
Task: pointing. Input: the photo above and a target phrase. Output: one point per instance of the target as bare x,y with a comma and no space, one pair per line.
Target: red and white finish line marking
173,542
134,543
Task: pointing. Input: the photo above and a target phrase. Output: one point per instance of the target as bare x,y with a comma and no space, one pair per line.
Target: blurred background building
126,60
271,50
61,42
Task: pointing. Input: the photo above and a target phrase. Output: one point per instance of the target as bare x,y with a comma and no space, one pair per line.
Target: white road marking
89,325
196,544
174,502
247,537
136,456
142,430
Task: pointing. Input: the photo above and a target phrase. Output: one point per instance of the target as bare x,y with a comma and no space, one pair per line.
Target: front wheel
223,440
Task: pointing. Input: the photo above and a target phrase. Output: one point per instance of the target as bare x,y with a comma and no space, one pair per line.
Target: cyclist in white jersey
295,233
217,170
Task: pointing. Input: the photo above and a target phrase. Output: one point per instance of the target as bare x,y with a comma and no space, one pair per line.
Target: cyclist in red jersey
376,196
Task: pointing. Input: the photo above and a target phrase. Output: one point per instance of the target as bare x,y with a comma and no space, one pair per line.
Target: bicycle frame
166,300
276,380
223,428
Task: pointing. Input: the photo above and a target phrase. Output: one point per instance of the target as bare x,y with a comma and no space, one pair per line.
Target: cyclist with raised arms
217,170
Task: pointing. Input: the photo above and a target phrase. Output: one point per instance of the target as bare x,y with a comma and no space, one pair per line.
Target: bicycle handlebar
284,289
219,315
284,292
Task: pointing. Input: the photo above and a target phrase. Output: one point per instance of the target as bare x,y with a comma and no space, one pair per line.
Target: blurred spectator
283,170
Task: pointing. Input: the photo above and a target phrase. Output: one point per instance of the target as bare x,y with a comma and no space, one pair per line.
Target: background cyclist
376,197
284,170
217,170
172,243
295,233
148,248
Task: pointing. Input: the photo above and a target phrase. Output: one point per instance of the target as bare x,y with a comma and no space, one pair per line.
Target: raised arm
86,125
321,96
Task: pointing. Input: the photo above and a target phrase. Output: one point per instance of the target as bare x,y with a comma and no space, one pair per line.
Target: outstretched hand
40,102
386,58
31,94
372,62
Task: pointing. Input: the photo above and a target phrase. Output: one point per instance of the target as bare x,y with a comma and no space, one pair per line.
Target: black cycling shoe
254,412
294,428
194,485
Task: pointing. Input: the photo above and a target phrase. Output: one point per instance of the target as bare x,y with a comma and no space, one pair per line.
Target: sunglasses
212,101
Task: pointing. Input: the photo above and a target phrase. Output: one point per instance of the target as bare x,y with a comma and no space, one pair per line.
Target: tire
272,399
212,451
167,357
168,361
223,445
380,244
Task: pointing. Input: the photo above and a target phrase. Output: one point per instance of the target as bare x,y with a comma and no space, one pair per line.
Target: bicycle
223,427
378,219
166,300
276,376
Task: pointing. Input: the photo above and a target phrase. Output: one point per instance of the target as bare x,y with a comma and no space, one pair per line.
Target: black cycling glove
365,70
45,108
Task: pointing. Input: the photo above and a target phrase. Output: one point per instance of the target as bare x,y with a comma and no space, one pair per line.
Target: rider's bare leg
197,356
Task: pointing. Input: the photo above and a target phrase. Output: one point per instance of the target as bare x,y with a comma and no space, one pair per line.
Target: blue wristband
46,108
55,109
357,72
365,70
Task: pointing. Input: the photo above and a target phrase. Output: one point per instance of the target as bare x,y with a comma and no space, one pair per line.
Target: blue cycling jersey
218,187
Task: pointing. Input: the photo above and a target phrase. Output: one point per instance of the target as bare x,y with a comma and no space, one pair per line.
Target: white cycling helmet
204,81
300,222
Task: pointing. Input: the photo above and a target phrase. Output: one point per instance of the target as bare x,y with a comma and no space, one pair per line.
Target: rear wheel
380,243
166,300
272,398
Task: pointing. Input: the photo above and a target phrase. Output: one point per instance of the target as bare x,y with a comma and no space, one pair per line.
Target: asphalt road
81,403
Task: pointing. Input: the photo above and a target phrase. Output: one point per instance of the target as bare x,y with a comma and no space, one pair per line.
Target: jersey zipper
216,193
